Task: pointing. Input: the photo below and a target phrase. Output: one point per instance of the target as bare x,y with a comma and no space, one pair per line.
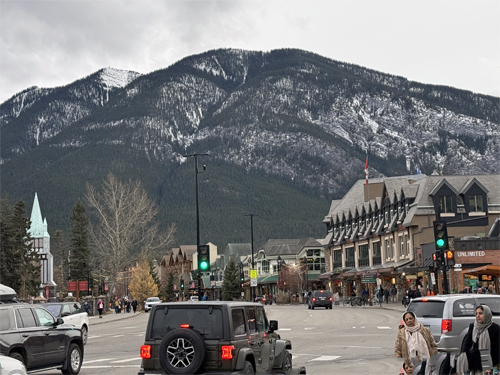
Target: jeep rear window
206,321
427,309
322,294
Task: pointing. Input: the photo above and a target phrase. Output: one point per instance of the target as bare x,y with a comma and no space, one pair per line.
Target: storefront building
380,228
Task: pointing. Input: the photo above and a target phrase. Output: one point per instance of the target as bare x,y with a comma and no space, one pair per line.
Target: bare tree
124,228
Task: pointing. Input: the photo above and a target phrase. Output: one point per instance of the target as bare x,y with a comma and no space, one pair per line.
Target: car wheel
85,334
73,360
247,368
17,356
287,362
182,351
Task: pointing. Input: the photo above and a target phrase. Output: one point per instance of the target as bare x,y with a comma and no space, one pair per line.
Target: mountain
286,131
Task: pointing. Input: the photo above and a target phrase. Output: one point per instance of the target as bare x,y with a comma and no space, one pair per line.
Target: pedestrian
386,295
491,290
86,307
380,295
128,306
417,293
134,305
394,294
100,307
117,306
481,347
479,290
414,341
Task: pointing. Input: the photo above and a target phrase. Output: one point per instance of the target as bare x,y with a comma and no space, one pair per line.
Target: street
344,340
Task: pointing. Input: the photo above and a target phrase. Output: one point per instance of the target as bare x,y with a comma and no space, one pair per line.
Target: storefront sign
470,253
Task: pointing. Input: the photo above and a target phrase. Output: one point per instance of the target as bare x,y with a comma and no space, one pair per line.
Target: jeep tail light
185,326
314,299
146,351
329,299
445,326
227,351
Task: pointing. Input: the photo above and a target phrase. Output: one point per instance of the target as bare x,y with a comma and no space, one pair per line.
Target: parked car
214,337
71,313
320,298
11,366
448,318
32,335
150,302
193,299
263,299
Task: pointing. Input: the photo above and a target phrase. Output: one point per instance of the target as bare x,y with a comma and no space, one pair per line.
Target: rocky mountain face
303,120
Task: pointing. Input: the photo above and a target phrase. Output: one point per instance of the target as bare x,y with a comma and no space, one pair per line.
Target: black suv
320,298
32,335
214,337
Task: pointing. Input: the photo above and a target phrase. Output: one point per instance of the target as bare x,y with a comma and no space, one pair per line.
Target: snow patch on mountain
111,77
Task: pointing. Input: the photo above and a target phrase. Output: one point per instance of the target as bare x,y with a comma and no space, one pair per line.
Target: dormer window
476,203
445,204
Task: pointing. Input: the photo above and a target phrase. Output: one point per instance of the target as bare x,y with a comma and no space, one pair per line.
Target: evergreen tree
143,285
10,261
154,273
29,270
80,252
169,290
231,283
59,249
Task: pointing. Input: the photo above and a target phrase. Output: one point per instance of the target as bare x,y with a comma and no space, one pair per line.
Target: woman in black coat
482,334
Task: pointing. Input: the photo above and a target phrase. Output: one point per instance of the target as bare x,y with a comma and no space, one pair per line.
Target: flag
366,169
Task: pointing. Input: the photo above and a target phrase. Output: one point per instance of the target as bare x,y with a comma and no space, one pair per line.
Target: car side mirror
59,321
273,325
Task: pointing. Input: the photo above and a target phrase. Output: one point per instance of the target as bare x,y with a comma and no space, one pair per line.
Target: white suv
71,313
148,304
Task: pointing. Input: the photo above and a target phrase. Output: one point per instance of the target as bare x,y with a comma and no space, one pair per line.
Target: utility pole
252,294
196,172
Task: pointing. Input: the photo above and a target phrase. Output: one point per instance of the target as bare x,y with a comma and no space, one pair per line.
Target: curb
103,321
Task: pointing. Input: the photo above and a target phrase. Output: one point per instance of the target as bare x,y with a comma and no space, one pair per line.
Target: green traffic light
203,265
440,242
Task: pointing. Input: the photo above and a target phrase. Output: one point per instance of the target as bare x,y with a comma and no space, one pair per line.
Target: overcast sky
53,43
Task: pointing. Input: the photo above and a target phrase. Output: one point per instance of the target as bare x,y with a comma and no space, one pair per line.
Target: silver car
448,318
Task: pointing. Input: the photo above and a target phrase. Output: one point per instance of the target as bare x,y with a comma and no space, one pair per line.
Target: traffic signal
441,236
242,277
203,258
435,261
450,258
182,284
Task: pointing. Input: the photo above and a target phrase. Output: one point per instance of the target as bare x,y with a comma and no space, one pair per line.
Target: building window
388,249
337,258
445,204
265,266
402,245
476,203
350,261
363,252
377,259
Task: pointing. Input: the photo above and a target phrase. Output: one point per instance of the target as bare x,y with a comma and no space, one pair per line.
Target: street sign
253,282
253,274
433,279
458,265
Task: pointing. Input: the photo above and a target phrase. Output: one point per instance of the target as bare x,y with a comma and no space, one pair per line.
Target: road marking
309,328
384,327
124,366
325,358
126,360
118,336
285,329
98,360
127,327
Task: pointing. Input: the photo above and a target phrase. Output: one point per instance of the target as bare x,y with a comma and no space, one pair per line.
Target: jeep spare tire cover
182,351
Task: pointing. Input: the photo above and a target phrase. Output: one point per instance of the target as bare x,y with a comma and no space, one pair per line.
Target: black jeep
214,338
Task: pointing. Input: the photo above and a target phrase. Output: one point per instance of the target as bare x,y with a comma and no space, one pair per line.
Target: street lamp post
252,292
196,172
306,272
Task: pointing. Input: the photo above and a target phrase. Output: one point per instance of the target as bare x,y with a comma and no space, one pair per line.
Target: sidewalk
111,316
398,306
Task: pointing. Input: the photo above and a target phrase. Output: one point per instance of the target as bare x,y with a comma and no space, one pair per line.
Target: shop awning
325,276
489,270
272,279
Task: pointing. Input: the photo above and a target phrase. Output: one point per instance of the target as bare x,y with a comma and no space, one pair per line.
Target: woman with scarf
414,341
481,347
